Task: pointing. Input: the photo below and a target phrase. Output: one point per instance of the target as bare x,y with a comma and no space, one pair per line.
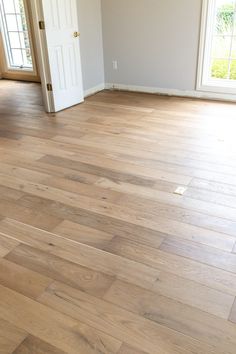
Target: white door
60,52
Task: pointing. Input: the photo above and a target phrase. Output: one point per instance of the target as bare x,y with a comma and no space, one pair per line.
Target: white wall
91,43
155,42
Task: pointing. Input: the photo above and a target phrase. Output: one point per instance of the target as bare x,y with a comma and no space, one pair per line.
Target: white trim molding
94,90
173,92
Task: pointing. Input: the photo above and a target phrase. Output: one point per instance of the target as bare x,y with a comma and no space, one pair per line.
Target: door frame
16,74
42,54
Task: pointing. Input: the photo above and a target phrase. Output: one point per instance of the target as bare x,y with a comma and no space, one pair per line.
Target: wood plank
232,316
89,194
221,280
22,280
10,194
184,290
77,187
192,322
224,188
83,234
53,327
10,337
200,213
34,217
204,254
145,219
80,254
106,224
6,245
59,269
33,345
132,329
108,167
24,173
126,349
180,150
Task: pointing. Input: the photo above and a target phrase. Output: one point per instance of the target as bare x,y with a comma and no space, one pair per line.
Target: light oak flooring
98,255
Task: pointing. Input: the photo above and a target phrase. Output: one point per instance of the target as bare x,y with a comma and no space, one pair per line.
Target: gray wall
155,42
91,44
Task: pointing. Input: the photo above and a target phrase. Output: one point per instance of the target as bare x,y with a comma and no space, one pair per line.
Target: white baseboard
94,90
172,92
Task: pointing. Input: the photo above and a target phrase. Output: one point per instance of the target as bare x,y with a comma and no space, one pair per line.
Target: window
217,62
15,34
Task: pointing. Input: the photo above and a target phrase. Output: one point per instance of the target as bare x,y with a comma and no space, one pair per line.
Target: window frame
7,69
204,83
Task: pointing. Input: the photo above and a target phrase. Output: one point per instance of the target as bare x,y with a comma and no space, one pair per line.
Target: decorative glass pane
19,6
221,46
9,6
17,57
12,24
219,68
14,40
224,21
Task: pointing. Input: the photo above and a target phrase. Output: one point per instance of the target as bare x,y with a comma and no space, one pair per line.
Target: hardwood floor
98,254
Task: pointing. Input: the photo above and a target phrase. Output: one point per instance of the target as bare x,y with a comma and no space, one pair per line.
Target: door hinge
49,87
42,25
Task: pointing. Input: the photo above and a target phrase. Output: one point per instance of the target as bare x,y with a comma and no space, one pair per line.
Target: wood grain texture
10,337
126,349
134,329
175,264
6,245
98,255
174,314
22,280
59,269
33,345
48,325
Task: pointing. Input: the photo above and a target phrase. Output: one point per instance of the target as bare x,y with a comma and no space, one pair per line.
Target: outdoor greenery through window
15,34
223,51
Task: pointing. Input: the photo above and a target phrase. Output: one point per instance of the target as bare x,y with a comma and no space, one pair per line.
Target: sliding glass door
217,62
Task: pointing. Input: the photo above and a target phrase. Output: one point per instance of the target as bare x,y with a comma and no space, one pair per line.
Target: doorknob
76,34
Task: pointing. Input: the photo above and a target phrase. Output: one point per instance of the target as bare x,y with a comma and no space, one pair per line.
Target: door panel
61,22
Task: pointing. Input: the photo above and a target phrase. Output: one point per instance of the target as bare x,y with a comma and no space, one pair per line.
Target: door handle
76,34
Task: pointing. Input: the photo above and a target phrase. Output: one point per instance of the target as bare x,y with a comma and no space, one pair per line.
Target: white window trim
224,87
